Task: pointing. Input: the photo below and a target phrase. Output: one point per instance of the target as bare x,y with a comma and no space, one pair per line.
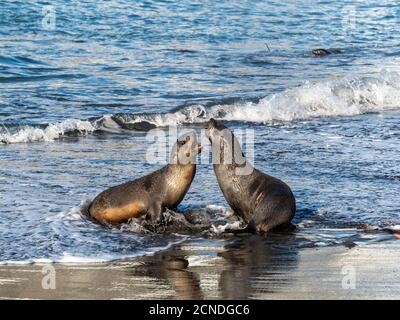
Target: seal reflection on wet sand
249,267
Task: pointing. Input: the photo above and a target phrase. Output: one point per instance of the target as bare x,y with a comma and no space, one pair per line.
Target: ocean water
79,92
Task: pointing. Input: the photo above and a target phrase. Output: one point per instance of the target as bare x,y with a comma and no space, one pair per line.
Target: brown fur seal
149,196
325,52
321,52
262,201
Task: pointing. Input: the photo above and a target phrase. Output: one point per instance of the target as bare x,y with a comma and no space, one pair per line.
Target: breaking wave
50,132
338,97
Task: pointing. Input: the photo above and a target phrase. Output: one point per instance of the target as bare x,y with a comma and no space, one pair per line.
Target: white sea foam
74,225
69,258
51,132
230,226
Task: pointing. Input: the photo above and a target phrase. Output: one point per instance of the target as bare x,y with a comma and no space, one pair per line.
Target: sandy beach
249,269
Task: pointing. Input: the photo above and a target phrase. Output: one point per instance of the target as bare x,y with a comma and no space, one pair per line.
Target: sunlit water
75,101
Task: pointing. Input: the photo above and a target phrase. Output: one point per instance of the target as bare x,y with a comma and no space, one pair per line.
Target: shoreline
248,268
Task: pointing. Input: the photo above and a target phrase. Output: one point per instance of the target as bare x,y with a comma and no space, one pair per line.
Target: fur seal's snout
198,147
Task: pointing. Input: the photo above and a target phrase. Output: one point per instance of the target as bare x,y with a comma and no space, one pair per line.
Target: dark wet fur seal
325,52
262,201
151,195
321,52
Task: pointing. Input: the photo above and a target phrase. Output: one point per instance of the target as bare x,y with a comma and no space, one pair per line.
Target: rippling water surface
76,101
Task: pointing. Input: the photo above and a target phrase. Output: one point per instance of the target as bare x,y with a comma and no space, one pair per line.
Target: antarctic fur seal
151,195
262,201
321,52
325,52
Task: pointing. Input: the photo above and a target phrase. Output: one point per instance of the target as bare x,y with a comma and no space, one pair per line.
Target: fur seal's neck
180,169
179,177
229,159
237,164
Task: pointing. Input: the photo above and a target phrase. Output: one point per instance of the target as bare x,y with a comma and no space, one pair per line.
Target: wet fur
148,196
262,201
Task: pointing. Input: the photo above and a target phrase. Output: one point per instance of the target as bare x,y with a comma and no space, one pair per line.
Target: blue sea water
81,82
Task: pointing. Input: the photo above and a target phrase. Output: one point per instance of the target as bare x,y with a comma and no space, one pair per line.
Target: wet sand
247,268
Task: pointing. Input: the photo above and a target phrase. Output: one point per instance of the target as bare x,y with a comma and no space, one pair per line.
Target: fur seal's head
185,149
321,52
225,147
216,131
